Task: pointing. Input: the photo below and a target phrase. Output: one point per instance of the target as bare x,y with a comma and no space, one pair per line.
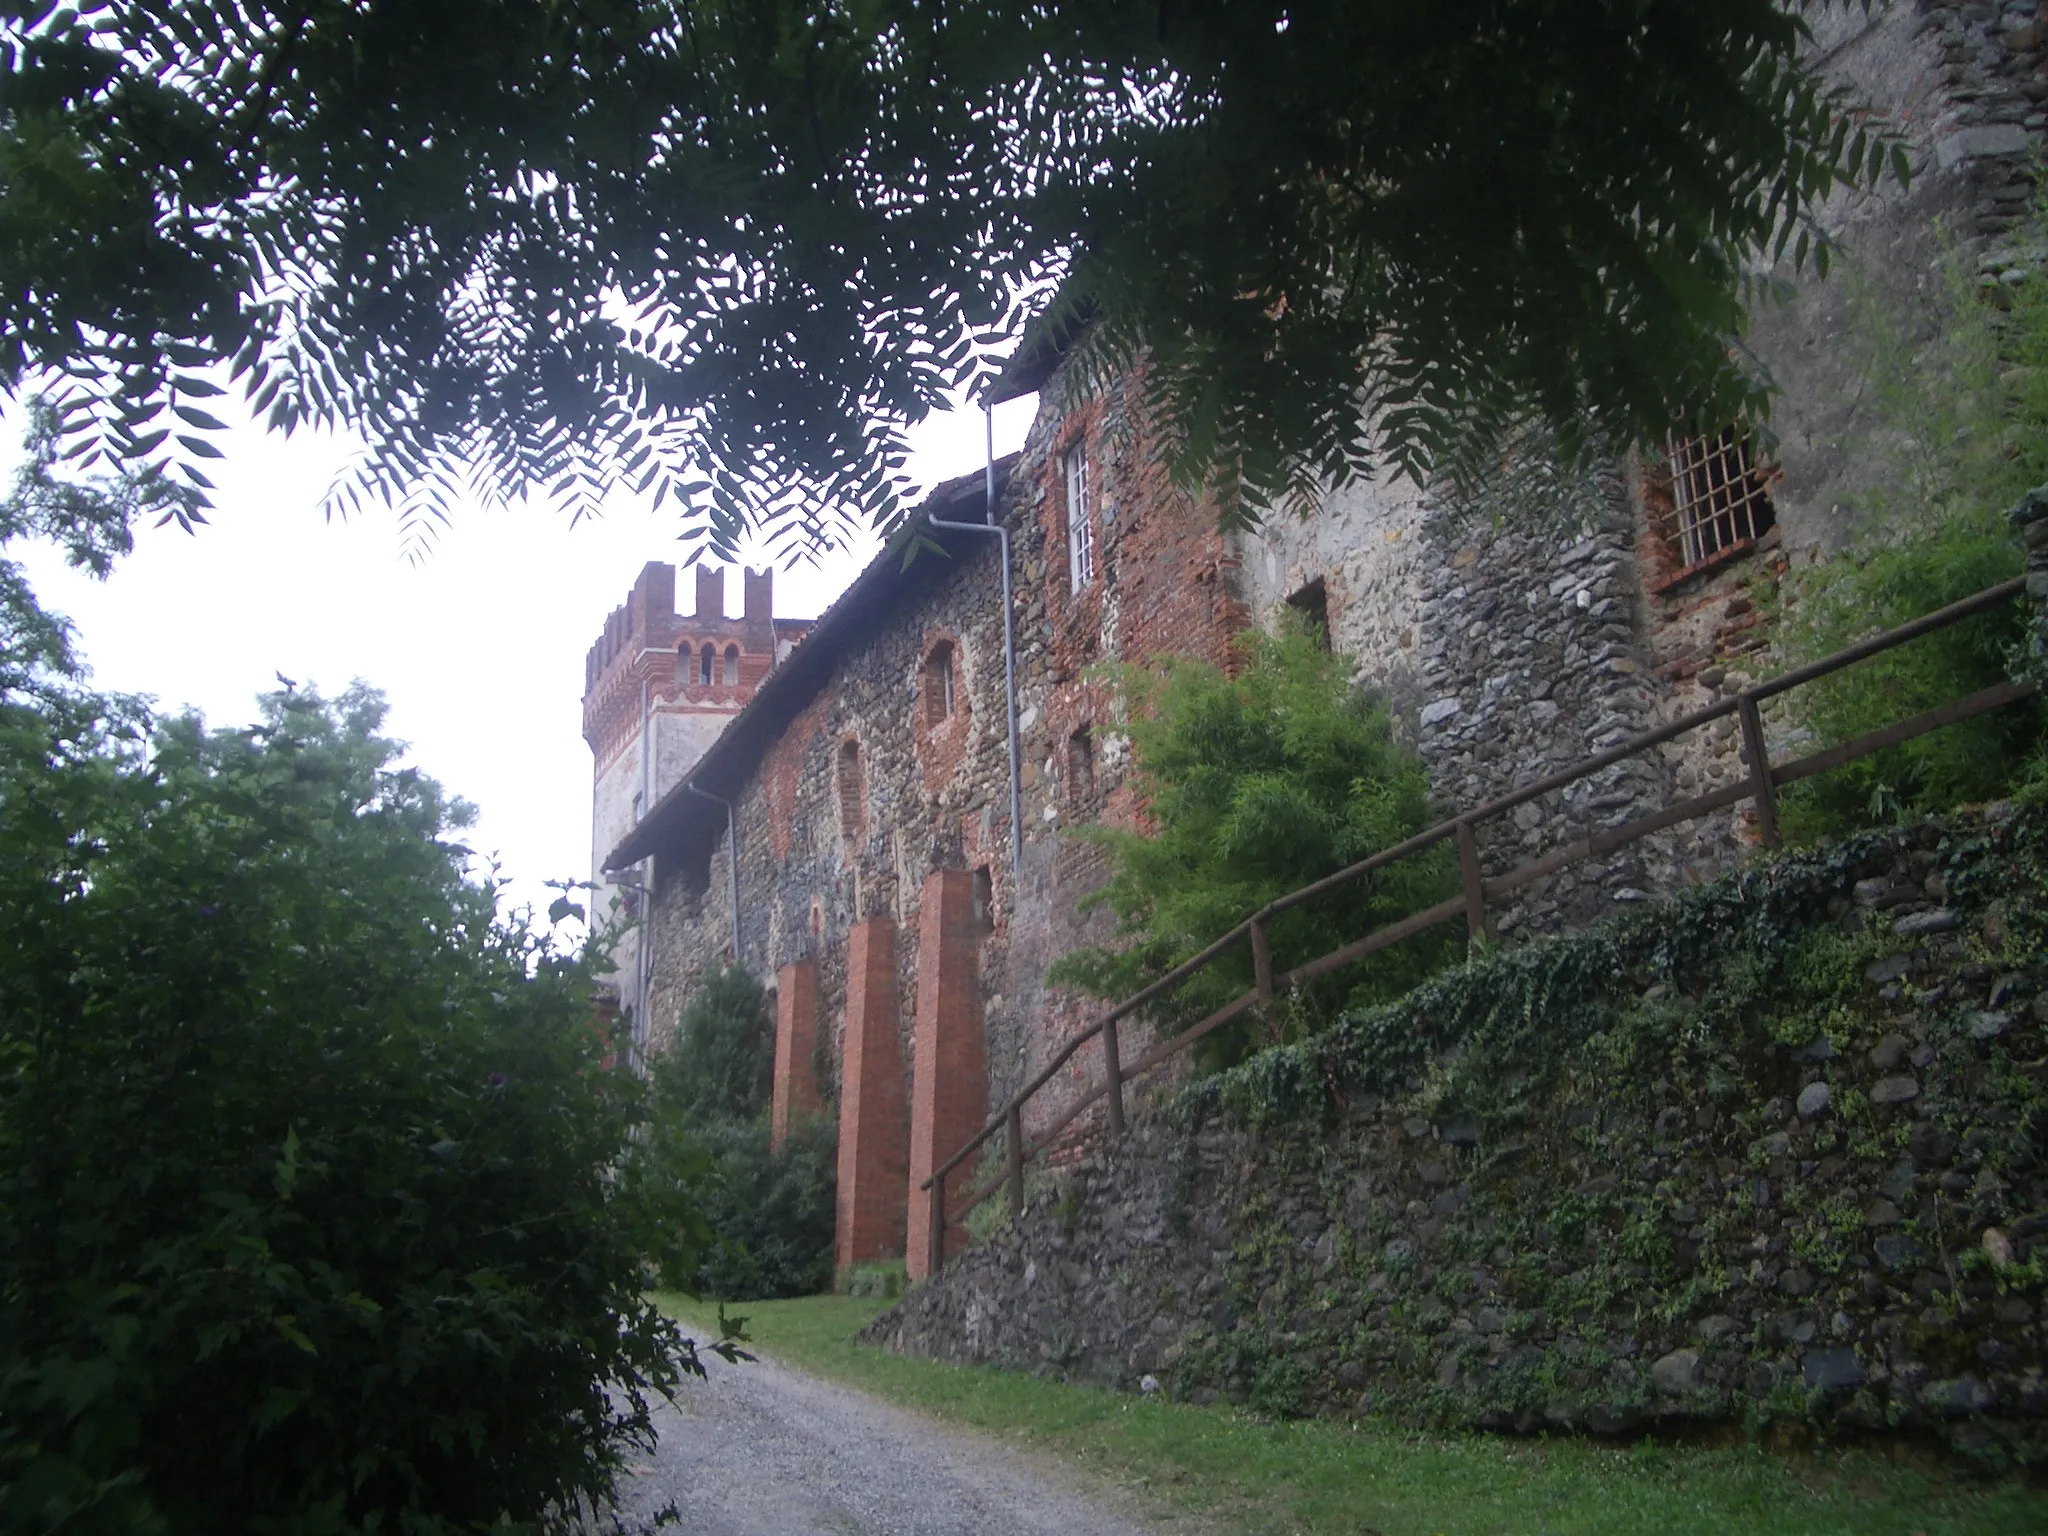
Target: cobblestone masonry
1839,1234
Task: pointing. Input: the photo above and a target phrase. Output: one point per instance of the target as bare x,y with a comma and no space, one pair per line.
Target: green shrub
769,1211
1958,431
1256,784
315,1208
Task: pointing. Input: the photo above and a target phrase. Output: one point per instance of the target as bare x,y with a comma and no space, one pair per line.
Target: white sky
479,648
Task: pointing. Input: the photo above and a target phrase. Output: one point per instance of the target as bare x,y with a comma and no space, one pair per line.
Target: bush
769,1212
1958,432
1256,784
315,1208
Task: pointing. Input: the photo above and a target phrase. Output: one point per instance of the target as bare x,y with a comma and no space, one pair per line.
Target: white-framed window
1080,519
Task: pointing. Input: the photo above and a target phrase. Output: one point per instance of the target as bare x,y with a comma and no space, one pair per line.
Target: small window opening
1719,496
707,660
849,786
1080,520
938,683
732,666
984,899
1081,763
1312,602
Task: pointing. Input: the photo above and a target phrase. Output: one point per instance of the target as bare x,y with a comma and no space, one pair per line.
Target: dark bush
314,1208
769,1211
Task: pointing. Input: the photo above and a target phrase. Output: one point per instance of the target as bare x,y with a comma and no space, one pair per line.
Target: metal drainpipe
1009,652
732,832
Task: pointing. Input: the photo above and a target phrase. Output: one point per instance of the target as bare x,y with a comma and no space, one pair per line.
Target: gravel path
762,1450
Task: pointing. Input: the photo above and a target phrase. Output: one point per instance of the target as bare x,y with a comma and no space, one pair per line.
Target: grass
1238,1472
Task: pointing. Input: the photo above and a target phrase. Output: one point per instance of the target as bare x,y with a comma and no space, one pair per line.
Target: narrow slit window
938,683
984,899
732,666
1718,495
1080,520
707,661
1081,763
849,777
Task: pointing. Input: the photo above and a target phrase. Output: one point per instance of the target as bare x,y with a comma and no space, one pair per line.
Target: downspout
1009,649
732,833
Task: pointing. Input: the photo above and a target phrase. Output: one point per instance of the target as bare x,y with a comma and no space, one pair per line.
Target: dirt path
762,1450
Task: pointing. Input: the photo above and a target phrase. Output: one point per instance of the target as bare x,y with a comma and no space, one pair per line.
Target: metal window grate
1080,526
1719,496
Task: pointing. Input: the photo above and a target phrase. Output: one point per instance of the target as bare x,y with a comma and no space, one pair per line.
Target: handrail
1759,785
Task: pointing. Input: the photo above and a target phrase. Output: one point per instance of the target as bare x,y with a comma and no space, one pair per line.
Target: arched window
707,663
937,683
732,666
849,787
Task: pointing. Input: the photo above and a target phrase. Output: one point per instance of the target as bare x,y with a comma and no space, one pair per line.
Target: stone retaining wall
1770,1153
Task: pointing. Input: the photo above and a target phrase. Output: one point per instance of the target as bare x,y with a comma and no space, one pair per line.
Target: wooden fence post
1113,1069
1262,976
1760,787
1016,1134
1474,881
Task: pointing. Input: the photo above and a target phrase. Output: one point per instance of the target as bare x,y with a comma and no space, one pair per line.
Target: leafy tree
1257,783
729,252
317,1210
768,1211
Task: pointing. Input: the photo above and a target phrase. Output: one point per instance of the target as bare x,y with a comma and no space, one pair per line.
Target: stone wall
1773,1152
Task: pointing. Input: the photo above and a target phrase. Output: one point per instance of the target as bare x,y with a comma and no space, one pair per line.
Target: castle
840,810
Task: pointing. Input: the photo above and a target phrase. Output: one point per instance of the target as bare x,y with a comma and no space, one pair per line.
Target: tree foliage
768,1211
727,252
317,1208
1256,784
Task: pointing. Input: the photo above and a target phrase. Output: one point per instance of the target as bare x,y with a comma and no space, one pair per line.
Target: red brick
874,1118
949,1083
796,1044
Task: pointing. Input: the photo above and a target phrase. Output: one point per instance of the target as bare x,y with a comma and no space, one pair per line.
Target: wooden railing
1759,786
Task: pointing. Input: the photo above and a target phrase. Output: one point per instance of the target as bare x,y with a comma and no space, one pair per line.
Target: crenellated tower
658,687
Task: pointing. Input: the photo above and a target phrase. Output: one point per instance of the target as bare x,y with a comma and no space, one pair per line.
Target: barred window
1718,495
1080,521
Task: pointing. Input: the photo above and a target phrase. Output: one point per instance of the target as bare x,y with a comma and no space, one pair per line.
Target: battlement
702,659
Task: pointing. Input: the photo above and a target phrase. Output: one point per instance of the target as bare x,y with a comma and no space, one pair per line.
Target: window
1312,602
937,683
706,661
1080,522
849,787
1718,496
1081,764
732,666
984,899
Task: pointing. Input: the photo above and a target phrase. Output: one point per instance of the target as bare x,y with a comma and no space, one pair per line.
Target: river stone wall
1769,1153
